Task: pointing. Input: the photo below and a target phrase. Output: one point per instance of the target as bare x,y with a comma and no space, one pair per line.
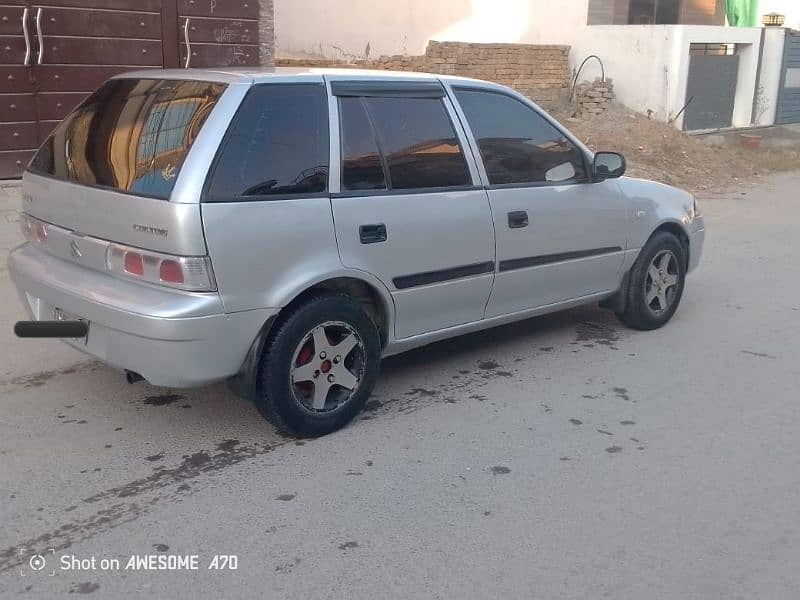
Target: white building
647,46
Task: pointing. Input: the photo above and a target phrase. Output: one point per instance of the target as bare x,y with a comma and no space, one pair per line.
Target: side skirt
406,344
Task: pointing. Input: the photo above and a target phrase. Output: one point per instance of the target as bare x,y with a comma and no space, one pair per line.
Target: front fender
652,205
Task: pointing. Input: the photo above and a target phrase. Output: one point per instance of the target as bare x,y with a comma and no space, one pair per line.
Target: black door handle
372,234
517,219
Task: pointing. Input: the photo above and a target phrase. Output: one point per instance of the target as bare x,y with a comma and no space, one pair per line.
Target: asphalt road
563,457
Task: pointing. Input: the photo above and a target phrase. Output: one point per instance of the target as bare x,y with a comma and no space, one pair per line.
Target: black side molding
418,279
546,259
383,89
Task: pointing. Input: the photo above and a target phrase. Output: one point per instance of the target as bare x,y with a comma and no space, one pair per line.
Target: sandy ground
562,457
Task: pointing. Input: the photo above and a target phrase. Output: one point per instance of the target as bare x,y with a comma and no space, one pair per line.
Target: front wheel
656,283
319,367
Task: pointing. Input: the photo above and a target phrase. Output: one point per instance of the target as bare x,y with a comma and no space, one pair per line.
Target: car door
409,209
559,237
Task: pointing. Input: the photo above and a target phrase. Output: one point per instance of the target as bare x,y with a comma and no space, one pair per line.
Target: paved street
563,457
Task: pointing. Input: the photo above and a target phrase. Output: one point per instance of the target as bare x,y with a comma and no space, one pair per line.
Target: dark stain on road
354,473
596,333
627,422
547,349
162,399
576,421
348,545
604,432
614,449
287,567
161,547
84,588
39,379
422,392
759,354
154,457
500,470
286,497
622,392
488,365
373,405
227,445
504,374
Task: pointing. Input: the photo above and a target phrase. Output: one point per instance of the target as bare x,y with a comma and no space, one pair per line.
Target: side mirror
608,165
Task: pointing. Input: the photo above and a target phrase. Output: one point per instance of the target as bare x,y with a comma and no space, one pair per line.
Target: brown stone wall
540,72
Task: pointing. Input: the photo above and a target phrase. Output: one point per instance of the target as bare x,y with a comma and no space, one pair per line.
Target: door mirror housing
608,165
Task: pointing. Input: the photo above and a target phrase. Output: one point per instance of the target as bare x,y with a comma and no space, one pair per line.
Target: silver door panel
553,283
563,220
425,232
439,306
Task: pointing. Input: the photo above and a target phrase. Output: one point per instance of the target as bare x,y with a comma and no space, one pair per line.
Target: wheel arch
359,285
677,229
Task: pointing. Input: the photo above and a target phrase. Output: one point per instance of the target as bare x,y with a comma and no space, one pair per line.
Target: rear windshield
131,135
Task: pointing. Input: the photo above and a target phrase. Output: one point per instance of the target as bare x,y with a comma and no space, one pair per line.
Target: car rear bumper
172,338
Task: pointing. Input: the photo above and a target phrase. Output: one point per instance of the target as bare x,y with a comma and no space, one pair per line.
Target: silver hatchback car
285,229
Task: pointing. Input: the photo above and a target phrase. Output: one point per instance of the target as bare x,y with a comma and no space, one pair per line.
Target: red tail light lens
170,271
191,273
134,263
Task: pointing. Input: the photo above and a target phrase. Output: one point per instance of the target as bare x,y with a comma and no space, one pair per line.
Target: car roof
251,75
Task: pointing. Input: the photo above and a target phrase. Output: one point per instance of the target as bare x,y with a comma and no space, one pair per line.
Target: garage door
789,94
55,52
711,87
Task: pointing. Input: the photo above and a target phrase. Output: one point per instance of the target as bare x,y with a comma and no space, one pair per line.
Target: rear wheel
319,367
656,283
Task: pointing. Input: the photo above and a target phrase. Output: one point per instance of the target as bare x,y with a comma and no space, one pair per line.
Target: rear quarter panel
265,253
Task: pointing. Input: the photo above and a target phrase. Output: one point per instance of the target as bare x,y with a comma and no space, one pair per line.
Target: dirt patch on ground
660,152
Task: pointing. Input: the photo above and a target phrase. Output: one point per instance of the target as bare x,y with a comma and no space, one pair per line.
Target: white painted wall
774,40
344,28
649,64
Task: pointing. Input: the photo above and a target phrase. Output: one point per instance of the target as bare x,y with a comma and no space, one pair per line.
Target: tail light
33,230
192,273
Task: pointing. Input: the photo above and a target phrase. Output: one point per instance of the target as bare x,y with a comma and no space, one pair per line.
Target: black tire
638,313
280,400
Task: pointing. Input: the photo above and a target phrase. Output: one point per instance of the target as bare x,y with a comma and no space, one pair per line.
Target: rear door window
277,146
362,163
402,143
517,144
132,135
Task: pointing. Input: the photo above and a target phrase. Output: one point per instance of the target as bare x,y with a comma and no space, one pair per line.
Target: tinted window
362,168
277,144
132,135
419,143
517,144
